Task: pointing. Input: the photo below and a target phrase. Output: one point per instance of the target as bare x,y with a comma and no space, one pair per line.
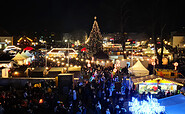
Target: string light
62,59
107,61
62,63
76,58
71,65
67,64
151,106
82,59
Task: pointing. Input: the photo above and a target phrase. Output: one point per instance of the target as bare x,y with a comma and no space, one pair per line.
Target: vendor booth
154,84
138,69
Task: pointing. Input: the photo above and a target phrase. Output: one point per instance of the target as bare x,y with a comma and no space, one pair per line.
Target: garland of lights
151,106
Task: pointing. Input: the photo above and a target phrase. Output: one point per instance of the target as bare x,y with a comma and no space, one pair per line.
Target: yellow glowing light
16,73
75,66
58,62
76,58
82,59
102,62
67,64
71,65
62,63
62,59
57,59
53,60
122,59
32,68
65,68
79,66
107,61
47,68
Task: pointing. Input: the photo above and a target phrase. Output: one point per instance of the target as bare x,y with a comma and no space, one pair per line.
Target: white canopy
149,51
28,54
174,104
165,51
18,57
138,69
24,55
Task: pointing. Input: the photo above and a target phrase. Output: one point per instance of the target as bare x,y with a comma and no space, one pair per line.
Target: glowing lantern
153,63
176,64
41,101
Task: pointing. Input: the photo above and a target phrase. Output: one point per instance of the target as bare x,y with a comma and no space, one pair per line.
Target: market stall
154,84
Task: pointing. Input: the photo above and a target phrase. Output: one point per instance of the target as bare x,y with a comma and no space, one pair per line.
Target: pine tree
94,42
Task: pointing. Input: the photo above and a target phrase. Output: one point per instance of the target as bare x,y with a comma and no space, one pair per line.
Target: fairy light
76,58
63,63
71,65
62,59
151,106
67,64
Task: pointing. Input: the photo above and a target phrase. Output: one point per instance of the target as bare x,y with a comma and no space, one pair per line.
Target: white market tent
165,51
174,104
24,55
149,51
18,57
138,69
28,54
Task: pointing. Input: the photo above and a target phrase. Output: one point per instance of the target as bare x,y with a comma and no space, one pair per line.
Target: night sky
70,15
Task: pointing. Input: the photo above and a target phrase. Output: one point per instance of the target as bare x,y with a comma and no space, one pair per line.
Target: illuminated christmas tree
94,42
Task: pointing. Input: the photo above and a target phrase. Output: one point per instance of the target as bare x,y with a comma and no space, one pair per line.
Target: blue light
151,106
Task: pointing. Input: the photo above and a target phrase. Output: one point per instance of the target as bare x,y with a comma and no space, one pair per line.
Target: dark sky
70,15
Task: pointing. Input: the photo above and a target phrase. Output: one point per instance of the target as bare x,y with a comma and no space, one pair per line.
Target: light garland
151,106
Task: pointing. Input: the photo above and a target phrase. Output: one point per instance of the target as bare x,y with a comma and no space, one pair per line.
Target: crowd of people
101,93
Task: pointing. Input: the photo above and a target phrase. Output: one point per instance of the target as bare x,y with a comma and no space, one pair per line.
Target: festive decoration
94,42
151,106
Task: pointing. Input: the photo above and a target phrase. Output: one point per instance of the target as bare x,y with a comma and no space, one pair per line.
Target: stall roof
174,104
138,80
